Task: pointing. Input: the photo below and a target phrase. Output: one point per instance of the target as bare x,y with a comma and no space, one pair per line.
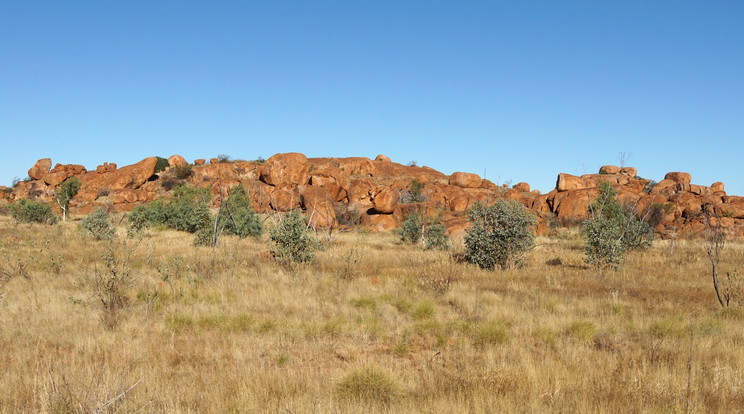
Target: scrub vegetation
153,323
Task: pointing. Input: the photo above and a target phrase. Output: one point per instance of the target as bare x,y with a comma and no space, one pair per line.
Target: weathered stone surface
285,169
385,201
40,169
666,188
700,190
629,171
375,192
129,177
177,161
568,182
679,177
383,158
333,180
285,200
318,205
570,207
465,180
522,187
609,169
358,166
379,222
106,168
200,161
55,178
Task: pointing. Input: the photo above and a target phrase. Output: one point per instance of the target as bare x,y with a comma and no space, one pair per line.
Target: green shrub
97,225
185,211
138,220
238,216
161,164
290,239
436,237
612,230
28,211
410,232
499,234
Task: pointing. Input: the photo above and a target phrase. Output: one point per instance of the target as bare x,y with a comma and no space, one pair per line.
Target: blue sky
523,90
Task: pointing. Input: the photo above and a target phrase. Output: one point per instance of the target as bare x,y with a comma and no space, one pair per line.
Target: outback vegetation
267,294
363,322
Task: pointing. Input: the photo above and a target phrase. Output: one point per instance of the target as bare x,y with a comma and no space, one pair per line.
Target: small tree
66,192
432,236
290,239
612,230
499,234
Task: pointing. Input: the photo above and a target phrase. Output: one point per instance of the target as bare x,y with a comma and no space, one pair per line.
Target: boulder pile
380,193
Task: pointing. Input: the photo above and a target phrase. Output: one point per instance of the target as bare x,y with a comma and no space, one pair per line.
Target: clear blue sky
522,89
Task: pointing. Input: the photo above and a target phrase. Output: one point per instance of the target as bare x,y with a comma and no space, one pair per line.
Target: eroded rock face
285,169
465,180
177,161
40,169
385,201
319,207
383,158
379,193
679,177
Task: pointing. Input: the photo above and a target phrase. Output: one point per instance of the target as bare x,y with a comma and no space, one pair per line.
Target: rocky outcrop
385,201
177,161
380,193
465,180
40,169
285,169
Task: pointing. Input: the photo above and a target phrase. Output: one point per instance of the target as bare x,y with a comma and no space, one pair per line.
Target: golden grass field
369,326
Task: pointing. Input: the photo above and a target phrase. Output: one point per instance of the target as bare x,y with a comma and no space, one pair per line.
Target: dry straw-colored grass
369,326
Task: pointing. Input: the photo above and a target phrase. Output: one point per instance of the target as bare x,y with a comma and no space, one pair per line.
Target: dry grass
369,326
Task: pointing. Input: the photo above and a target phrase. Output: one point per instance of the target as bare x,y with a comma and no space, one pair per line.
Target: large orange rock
665,187
361,191
55,178
716,187
177,161
379,222
568,182
465,180
688,205
522,187
128,177
679,177
333,180
285,200
36,189
700,190
383,158
106,167
357,166
40,169
609,169
571,207
629,171
285,169
318,206
386,200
